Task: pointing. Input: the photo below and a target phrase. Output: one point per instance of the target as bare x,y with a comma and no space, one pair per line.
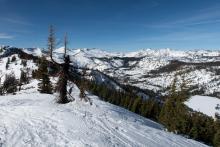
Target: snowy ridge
135,68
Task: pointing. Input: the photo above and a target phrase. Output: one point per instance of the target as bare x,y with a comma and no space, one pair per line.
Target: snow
33,51
15,67
34,119
204,104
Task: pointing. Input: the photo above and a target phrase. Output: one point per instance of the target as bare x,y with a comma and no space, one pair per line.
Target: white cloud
5,36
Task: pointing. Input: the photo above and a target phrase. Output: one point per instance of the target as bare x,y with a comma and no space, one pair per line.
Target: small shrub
13,59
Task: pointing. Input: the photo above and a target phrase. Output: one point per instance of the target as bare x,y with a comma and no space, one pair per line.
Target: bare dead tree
51,42
64,73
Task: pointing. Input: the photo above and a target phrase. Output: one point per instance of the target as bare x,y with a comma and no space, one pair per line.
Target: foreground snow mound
205,104
36,120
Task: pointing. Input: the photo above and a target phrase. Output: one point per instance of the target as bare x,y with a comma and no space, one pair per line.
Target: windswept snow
34,119
204,104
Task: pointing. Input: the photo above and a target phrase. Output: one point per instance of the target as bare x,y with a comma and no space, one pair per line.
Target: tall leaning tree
64,67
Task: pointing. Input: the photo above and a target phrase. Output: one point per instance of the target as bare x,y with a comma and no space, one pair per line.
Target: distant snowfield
33,119
204,104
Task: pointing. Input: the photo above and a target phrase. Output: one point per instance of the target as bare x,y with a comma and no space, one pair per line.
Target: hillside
33,119
102,87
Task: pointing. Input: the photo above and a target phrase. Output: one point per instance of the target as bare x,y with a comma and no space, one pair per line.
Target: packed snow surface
204,104
33,119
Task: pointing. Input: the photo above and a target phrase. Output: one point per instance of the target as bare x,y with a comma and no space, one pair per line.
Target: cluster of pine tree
44,86
149,108
173,114
7,63
178,118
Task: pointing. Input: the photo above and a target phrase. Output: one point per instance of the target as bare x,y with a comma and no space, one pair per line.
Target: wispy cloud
15,20
6,36
209,15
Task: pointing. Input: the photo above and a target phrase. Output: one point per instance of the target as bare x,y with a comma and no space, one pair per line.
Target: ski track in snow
36,120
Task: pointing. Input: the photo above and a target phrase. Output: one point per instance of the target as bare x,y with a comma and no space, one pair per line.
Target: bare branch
65,44
51,43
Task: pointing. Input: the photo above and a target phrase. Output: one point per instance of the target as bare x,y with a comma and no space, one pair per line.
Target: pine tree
167,115
216,140
1,50
13,59
24,63
10,83
136,104
82,94
45,85
24,78
7,63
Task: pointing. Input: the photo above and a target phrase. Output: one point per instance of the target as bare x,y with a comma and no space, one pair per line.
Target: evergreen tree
7,63
167,114
136,104
10,83
13,59
82,87
1,50
44,86
216,140
24,63
24,77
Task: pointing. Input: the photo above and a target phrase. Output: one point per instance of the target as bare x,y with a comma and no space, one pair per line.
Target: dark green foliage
7,63
24,62
82,94
1,50
150,108
1,90
10,84
42,67
24,79
146,107
44,86
13,59
34,74
201,128
176,117
168,113
136,105
216,140
62,82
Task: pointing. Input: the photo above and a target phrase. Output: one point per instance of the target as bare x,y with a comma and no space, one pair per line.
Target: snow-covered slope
33,119
204,104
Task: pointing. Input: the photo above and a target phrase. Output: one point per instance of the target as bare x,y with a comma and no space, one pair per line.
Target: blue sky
114,25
